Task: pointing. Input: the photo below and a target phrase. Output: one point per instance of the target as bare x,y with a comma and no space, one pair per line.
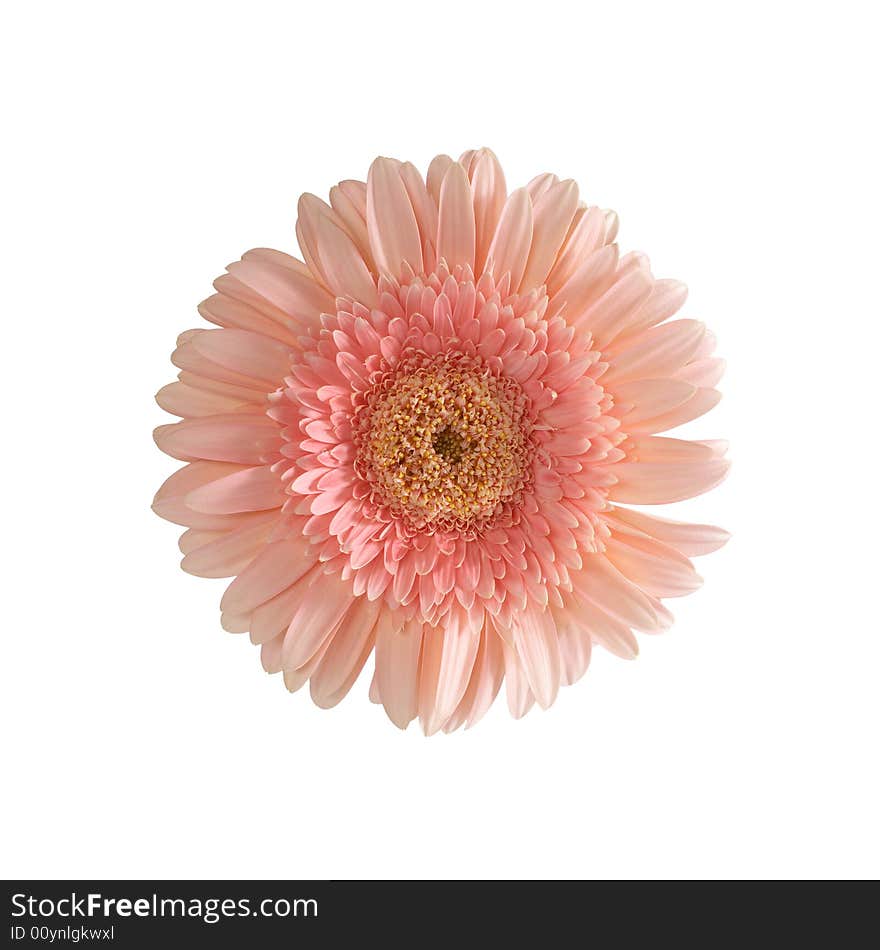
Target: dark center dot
449,444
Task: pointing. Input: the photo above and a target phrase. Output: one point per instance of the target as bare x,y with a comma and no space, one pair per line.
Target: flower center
444,442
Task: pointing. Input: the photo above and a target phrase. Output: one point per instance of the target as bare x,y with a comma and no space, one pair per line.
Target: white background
146,146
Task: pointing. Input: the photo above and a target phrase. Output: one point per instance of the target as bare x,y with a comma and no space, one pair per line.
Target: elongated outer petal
349,200
448,657
656,568
656,353
170,500
643,399
425,211
249,354
238,437
510,247
698,405
537,647
606,630
456,231
283,285
520,698
575,645
552,217
490,194
603,585
398,649
346,655
316,619
230,553
347,274
273,616
585,237
667,298
278,565
661,483
654,448
253,489
589,281
440,164
690,539
485,681
182,399
391,221
614,309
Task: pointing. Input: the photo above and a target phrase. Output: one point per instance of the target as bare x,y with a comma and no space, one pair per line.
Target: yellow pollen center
444,442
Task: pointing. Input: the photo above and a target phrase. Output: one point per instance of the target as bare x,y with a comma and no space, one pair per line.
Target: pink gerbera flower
416,443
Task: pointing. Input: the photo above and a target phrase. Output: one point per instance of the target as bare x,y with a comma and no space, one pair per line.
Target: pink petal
448,657
319,614
347,274
553,212
231,553
658,352
180,399
246,353
520,698
646,398
660,483
655,567
244,438
346,654
603,585
614,309
277,566
690,539
456,234
490,193
253,489
391,222
536,644
509,250
397,667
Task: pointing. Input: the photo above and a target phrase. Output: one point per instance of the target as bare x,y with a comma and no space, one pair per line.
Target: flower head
416,442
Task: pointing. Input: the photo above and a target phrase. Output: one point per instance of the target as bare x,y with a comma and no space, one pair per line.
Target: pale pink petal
183,400
601,584
586,236
456,235
398,649
285,286
587,284
230,553
520,698
278,565
660,483
655,567
391,221
318,616
509,250
248,439
690,539
658,352
490,194
346,655
347,274
606,316
247,353
537,647
253,489
448,656
702,401
553,212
